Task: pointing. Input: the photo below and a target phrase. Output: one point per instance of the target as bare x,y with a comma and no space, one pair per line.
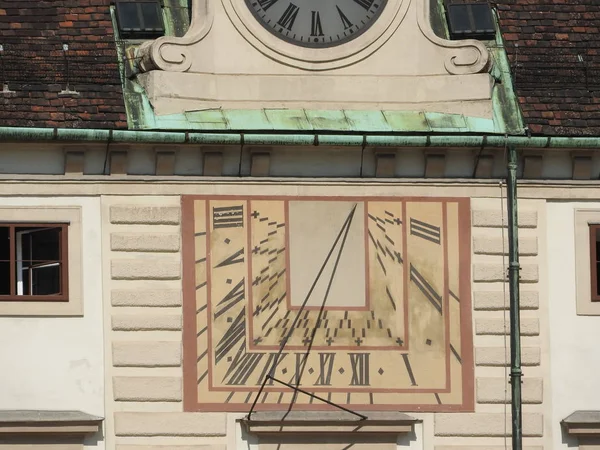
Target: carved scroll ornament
173,54
466,56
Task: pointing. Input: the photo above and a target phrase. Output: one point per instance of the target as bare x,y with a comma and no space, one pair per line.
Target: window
470,21
33,262
595,261
587,261
139,19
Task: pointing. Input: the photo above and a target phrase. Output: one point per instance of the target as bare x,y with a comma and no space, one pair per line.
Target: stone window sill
328,422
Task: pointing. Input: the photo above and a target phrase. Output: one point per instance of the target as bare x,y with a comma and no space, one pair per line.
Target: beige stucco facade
140,265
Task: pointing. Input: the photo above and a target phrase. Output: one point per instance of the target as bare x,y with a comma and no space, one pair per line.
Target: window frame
63,261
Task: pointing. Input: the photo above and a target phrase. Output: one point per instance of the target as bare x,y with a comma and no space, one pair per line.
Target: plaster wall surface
574,354
57,363
229,60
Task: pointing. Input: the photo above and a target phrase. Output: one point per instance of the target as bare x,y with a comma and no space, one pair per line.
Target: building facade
282,227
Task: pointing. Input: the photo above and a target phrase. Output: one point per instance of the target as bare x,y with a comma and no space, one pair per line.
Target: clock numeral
360,369
426,288
234,335
315,24
228,217
345,21
365,3
425,231
271,365
300,363
266,4
289,16
236,295
326,368
243,368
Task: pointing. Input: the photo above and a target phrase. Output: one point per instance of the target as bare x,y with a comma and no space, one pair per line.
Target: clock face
316,23
361,301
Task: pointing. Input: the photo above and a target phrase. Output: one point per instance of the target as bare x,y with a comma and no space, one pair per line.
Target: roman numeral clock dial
316,23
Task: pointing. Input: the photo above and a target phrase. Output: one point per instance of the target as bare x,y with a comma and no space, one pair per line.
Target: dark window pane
482,16
471,20
39,244
459,19
46,280
598,278
4,278
151,15
127,14
4,244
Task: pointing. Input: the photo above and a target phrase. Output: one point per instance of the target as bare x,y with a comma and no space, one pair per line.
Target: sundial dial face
371,297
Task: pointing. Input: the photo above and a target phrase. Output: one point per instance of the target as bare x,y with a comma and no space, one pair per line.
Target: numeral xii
360,369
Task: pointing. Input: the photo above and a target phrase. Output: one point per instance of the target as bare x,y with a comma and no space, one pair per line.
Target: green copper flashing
294,120
23,134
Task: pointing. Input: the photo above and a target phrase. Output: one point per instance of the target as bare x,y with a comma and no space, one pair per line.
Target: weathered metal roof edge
24,134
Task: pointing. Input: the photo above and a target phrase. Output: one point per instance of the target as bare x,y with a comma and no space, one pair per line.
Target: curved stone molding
173,54
466,56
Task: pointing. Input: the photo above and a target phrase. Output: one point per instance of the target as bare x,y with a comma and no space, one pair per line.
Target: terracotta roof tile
553,46
554,49
34,66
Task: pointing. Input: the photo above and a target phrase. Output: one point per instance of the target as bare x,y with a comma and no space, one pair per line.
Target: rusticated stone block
151,215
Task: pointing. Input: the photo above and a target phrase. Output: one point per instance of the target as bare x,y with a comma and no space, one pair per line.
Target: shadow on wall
346,441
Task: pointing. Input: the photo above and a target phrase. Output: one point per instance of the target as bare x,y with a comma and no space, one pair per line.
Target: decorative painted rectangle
363,301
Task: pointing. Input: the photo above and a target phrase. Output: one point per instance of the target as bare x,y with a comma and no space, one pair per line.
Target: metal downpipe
513,280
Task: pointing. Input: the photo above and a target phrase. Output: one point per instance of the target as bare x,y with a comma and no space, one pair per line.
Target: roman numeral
360,369
234,335
425,231
236,295
300,362
365,3
236,258
426,288
228,217
345,21
270,367
243,368
289,16
326,368
315,24
266,4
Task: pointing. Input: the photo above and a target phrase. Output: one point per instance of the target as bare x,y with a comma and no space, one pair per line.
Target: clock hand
343,233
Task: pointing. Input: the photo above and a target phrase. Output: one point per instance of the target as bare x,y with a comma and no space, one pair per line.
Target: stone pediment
227,60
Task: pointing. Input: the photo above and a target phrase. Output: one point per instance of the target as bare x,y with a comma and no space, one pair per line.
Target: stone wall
490,425
143,304
144,348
